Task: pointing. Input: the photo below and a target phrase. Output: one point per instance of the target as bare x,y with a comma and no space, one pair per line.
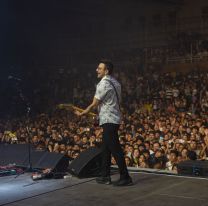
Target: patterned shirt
108,109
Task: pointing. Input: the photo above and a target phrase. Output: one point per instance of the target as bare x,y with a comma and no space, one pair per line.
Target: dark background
46,36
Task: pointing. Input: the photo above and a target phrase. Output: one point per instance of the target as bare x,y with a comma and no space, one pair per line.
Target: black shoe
103,180
123,182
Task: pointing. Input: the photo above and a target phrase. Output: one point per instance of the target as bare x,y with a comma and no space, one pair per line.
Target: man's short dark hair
108,64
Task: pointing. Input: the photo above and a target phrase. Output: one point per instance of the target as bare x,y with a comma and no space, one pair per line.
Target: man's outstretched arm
93,105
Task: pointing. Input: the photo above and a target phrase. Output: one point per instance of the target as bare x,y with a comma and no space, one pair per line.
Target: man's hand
94,104
78,113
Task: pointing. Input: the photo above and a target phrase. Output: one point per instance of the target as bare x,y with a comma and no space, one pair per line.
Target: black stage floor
148,189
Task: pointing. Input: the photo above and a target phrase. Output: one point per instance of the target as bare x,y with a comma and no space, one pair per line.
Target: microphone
14,78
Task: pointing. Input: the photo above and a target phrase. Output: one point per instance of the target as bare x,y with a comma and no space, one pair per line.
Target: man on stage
107,99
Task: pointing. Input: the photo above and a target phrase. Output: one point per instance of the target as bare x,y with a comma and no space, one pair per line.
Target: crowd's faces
33,130
48,129
50,148
158,153
206,141
177,144
122,126
56,148
146,127
126,148
152,136
69,147
75,155
157,165
41,132
147,145
194,131
66,133
113,161
128,161
139,141
76,147
201,131
35,140
146,154
128,137
141,148
199,146
166,137
130,149
47,140
93,138
142,159
122,142
193,145
199,124
184,153
62,147
206,131
179,124
181,147
76,138
173,157
156,146
165,129
164,148
185,138
54,135
188,130
136,153
157,135
84,140
70,153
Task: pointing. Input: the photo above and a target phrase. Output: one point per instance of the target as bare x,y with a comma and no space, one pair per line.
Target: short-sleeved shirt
108,109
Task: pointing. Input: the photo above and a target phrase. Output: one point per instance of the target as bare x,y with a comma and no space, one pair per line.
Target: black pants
111,145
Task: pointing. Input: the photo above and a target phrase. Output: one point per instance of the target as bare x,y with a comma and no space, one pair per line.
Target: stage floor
148,189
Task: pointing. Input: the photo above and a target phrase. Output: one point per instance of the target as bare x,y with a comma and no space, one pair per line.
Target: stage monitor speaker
87,164
13,154
56,161
193,168
18,154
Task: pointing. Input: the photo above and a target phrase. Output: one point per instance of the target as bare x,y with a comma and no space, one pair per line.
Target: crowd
181,47
164,121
